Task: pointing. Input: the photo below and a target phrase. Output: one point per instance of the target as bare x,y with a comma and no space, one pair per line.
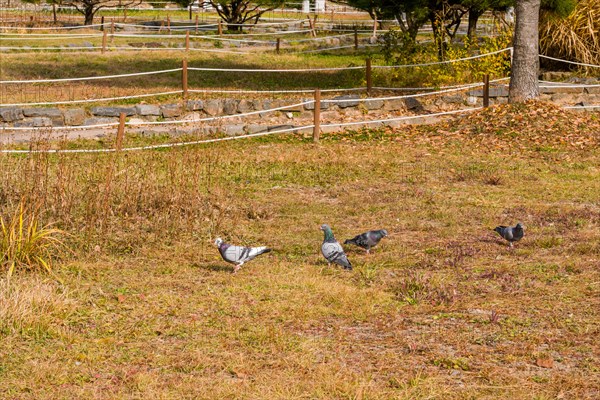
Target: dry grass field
142,307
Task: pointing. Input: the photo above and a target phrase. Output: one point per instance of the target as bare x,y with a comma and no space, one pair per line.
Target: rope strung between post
89,78
157,146
457,89
442,62
137,96
570,62
196,142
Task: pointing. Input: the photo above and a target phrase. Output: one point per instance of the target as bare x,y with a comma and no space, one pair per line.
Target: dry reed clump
576,37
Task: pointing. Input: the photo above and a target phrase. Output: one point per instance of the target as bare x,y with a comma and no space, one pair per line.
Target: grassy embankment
441,309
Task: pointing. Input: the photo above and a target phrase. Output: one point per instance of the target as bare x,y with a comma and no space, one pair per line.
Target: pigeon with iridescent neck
332,250
368,239
511,233
238,255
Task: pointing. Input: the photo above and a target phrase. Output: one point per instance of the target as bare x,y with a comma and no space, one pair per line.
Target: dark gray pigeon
332,250
510,233
238,255
368,239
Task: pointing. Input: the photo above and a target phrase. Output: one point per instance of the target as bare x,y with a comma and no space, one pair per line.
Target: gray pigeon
238,255
511,233
368,239
332,250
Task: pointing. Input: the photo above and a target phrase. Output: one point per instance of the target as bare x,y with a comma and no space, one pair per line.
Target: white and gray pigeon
332,250
238,255
510,233
368,239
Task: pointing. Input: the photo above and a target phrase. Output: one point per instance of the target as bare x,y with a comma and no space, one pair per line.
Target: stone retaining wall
341,107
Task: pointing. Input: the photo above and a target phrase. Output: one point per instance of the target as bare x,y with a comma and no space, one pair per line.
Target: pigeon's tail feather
257,251
349,264
350,241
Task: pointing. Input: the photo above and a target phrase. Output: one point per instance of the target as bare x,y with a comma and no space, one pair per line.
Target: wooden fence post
312,26
112,31
196,30
220,28
187,41
102,23
104,37
486,90
278,45
369,77
184,79
317,116
168,25
355,38
120,132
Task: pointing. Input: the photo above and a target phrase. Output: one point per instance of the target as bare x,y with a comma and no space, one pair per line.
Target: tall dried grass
576,37
119,201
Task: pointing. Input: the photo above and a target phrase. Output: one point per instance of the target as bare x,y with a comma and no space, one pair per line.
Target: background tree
476,8
411,15
238,12
53,3
186,4
89,8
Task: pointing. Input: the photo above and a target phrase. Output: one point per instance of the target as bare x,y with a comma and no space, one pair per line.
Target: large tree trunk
473,18
89,15
524,76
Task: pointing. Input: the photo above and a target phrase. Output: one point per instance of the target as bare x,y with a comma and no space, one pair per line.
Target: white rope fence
419,89
570,62
89,78
253,135
442,62
99,100
326,69
155,146
368,99
549,84
250,70
300,91
197,142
